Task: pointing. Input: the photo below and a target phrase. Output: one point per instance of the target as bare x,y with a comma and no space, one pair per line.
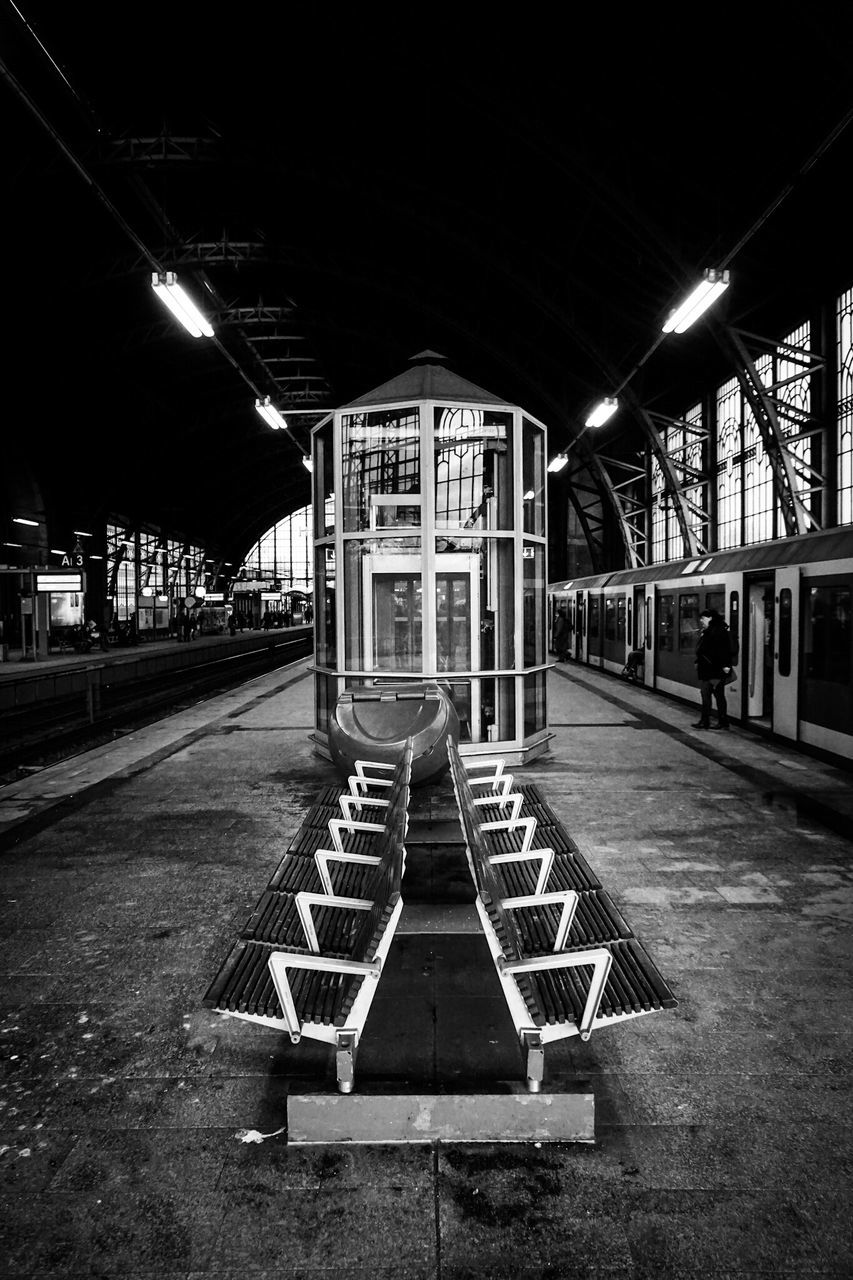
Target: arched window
285,552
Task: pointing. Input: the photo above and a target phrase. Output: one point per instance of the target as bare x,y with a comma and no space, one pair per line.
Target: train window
666,620
716,600
688,621
610,619
785,610
647,623
620,618
593,622
826,648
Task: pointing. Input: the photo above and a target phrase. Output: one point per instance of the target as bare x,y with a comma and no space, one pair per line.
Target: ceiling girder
163,149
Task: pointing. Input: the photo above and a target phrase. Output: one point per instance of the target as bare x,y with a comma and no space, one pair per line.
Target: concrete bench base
501,1117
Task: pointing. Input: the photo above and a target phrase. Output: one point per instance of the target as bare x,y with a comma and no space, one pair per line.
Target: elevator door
393,613
453,648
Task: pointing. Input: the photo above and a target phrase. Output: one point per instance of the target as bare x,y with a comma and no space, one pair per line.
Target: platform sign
59,582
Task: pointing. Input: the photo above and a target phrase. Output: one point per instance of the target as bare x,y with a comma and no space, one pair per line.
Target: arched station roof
341,189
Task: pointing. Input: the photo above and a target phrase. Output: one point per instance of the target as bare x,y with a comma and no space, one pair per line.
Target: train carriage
788,606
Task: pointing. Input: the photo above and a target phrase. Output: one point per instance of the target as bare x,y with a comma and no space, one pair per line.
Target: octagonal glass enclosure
430,541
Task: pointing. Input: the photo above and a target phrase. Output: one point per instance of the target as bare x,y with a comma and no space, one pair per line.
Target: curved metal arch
766,412
674,484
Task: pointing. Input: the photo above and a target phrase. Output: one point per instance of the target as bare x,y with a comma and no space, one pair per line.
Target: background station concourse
385,406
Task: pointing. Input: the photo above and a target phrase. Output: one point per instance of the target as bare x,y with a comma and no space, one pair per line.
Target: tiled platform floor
140,1135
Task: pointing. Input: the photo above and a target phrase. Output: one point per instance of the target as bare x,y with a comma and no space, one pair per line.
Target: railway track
41,733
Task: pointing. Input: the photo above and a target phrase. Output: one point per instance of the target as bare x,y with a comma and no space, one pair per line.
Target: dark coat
714,651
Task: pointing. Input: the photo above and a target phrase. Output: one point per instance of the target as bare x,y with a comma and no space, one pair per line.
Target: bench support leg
534,1053
347,1042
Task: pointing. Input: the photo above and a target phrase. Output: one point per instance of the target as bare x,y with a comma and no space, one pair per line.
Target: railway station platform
156,655
142,1134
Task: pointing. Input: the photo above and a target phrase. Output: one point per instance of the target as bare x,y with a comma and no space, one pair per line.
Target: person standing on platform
561,635
713,666
232,623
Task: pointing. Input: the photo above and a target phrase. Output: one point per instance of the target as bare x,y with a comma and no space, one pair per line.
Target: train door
640,628
759,634
785,701
826,662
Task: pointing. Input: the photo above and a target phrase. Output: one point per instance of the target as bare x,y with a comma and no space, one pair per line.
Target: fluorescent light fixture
14,544
712,285
23,520
307,463
165,285
81,533
55,551
270,414
602,411
557,464
96,557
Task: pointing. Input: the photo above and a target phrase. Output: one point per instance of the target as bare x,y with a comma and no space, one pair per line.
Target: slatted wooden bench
368,791
308,959
344,836
567,960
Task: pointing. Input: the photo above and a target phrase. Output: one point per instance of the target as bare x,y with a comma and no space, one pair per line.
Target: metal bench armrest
600,957
280,961
496,764
359,785
322,858
544,856
361,765
304,903
569,900
510,824
336,825
500,785
348,803
514,798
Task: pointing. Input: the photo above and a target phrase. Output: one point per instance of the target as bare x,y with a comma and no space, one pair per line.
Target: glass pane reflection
473,469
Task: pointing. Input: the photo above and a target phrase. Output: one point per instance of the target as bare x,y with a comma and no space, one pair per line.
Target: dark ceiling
528,199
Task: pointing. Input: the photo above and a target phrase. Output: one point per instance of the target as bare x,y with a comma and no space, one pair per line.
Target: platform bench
308,961
345,836
567,960
372,788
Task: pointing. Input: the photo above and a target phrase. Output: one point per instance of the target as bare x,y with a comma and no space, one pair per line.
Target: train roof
828,544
